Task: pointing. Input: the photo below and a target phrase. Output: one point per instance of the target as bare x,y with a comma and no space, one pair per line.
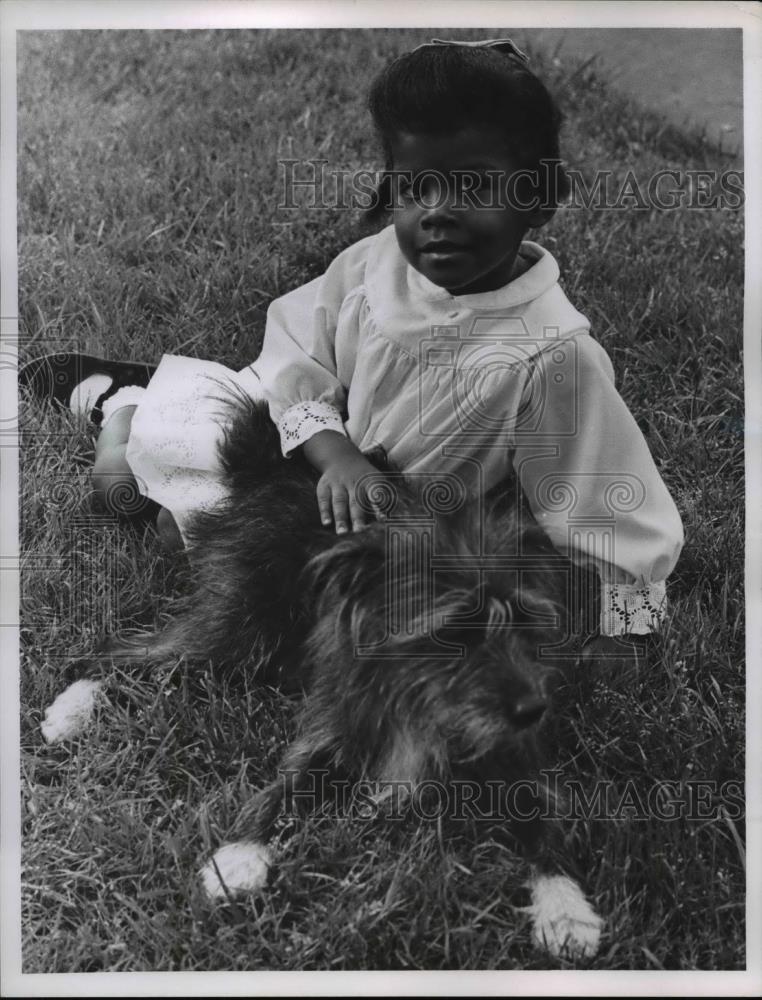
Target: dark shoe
54,377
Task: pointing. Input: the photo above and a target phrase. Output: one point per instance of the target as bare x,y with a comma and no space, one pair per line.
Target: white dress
473,386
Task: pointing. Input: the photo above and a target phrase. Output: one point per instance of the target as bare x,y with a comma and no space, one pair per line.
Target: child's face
464,241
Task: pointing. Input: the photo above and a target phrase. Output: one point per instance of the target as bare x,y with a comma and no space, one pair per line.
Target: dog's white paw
71,712
563,921
242,867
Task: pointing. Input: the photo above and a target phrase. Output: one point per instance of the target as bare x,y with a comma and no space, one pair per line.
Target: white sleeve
592,484
297,367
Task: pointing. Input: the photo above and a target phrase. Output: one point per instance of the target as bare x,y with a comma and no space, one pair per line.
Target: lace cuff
632,608
303,420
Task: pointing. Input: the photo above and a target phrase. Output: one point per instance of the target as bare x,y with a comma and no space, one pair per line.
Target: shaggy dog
417,642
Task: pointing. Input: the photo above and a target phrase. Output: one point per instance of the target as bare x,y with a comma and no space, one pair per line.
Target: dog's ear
534,606
349,568
537,591
346,586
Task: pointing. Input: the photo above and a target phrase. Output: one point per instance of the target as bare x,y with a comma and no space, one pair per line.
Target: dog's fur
453,688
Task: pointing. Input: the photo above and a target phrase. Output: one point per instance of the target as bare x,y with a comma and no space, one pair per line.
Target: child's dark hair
442,88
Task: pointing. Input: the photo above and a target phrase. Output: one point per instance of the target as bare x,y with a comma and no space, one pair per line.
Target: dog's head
432,632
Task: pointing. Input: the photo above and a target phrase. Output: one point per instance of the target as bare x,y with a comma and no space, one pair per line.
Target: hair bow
505,45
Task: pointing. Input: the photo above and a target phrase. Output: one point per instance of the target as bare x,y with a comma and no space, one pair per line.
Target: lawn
148,192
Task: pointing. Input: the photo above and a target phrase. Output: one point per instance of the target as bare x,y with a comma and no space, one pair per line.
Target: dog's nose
528,710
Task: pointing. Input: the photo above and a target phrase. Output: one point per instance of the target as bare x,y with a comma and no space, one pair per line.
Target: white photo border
208,14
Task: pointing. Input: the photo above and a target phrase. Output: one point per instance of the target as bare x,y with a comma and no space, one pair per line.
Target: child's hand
337,492
342,465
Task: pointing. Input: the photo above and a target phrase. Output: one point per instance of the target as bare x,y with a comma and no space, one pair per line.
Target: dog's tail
135,649
250,449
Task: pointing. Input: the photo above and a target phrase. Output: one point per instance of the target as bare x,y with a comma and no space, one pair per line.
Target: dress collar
537,279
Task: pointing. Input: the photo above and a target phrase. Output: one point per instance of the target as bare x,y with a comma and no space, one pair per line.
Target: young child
445,339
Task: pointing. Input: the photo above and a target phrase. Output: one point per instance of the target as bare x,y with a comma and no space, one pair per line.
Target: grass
148,223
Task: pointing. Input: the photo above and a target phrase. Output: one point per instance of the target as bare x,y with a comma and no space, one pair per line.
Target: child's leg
168,532
114,482
110,448
112,477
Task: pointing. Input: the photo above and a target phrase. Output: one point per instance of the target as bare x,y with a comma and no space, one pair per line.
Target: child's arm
302,372
305,378
592,484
